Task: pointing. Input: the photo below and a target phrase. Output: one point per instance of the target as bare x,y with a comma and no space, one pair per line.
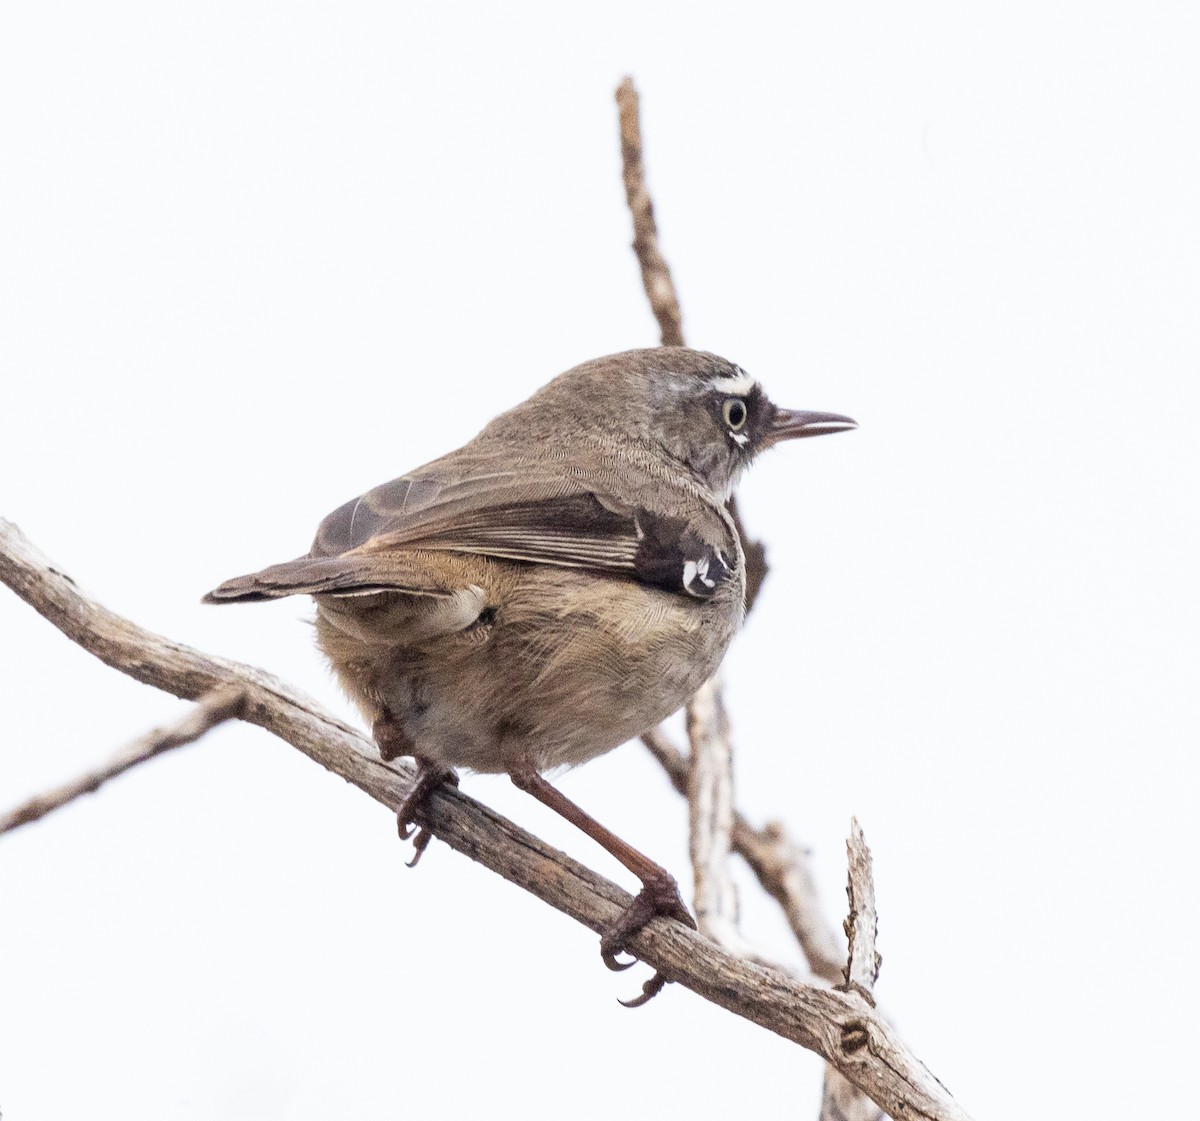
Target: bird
558,585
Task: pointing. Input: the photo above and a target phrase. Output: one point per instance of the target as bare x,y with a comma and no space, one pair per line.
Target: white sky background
256,259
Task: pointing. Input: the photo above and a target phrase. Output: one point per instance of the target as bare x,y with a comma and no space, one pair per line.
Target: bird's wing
534,512
538,512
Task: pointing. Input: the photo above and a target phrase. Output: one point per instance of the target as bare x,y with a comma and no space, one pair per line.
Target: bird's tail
328,576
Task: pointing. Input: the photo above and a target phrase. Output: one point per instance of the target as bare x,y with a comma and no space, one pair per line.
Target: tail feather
319,576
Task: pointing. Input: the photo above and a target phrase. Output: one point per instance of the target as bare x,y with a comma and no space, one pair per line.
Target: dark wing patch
673,556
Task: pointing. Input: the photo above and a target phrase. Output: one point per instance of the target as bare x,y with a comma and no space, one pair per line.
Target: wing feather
539,512
536,516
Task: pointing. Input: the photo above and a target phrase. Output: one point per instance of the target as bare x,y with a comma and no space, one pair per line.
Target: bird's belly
570,666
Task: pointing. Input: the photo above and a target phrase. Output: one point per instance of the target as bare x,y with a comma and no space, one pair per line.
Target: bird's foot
428,778
659,896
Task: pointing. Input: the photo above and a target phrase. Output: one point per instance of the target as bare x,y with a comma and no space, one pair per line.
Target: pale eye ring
734,412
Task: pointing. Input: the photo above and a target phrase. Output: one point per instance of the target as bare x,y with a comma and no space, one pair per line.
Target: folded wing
466,504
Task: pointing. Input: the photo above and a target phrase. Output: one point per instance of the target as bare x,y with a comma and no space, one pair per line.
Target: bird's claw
406,824
657,898
650,989
420,844
609,956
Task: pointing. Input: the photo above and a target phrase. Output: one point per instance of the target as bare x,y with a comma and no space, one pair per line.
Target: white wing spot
696,570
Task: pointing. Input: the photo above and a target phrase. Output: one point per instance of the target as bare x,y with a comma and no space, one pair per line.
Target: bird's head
701,411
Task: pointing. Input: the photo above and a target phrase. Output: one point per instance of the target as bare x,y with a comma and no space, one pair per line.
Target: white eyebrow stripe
736,385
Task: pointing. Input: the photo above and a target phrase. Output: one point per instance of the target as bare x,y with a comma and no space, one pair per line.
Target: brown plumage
559,584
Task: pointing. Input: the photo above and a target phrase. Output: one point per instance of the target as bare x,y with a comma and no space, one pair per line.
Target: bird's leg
659,894
391,738
393,742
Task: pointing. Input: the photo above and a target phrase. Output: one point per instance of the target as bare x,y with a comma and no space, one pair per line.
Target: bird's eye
734,411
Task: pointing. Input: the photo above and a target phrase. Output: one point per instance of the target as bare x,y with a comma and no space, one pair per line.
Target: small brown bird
561,583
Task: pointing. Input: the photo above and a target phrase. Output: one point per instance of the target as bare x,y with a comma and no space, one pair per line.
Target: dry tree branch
781,866
862,923
709,787
839,1026
710,798
842,1101
224,703
656,277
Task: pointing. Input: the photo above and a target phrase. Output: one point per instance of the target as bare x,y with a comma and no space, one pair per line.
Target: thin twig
656,277
221,704
862,923
839,1026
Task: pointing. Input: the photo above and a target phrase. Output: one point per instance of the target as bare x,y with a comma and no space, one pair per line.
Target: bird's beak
789,424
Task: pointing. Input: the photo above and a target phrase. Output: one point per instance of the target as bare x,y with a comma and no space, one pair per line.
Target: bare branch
783,869
840,1101
839,1026
710,805
215,708
781,866
862,923
656,277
